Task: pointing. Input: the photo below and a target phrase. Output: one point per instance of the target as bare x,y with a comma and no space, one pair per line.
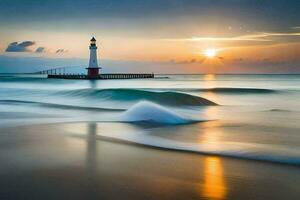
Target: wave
224,90
59,106
248,151
149,112
278,110
239,154
169,98
142,111
238,90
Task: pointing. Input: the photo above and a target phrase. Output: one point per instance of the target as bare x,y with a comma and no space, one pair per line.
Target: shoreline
127,142
48,162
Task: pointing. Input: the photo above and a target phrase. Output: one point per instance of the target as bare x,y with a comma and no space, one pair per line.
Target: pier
57,70
93,70
101,76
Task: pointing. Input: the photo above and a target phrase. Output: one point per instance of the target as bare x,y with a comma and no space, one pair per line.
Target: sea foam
151,112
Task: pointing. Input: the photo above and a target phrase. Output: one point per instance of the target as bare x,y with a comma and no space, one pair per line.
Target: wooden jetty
101,76
60,73
93,70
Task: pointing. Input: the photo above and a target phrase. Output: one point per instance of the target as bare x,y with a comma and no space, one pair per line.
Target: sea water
243,116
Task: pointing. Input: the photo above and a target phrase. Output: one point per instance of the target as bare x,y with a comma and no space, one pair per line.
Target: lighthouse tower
93,69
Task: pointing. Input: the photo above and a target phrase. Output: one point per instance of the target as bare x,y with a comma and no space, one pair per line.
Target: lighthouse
93,69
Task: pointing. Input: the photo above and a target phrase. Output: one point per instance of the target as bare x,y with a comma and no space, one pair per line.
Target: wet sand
48,162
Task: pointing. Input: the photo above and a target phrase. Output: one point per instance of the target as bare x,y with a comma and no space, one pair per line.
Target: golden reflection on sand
214,186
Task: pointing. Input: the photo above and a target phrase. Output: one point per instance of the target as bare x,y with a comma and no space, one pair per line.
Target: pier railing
125,76
61,73
102,76
56,70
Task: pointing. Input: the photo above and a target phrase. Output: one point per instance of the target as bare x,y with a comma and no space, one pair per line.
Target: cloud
61,51
40,50
257,37
19,47
238,60
188,61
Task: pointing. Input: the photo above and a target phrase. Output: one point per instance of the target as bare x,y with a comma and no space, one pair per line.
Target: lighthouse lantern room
93,69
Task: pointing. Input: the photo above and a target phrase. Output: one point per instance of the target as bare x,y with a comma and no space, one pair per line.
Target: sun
210,53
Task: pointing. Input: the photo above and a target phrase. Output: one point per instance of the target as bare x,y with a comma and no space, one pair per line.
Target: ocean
252,117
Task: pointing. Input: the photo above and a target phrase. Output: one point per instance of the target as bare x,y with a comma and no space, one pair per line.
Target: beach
52,162
181,137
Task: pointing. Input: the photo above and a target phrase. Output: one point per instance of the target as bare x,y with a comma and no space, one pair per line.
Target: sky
163,36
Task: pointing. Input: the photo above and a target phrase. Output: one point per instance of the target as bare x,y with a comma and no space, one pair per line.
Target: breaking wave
165,98
149,112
